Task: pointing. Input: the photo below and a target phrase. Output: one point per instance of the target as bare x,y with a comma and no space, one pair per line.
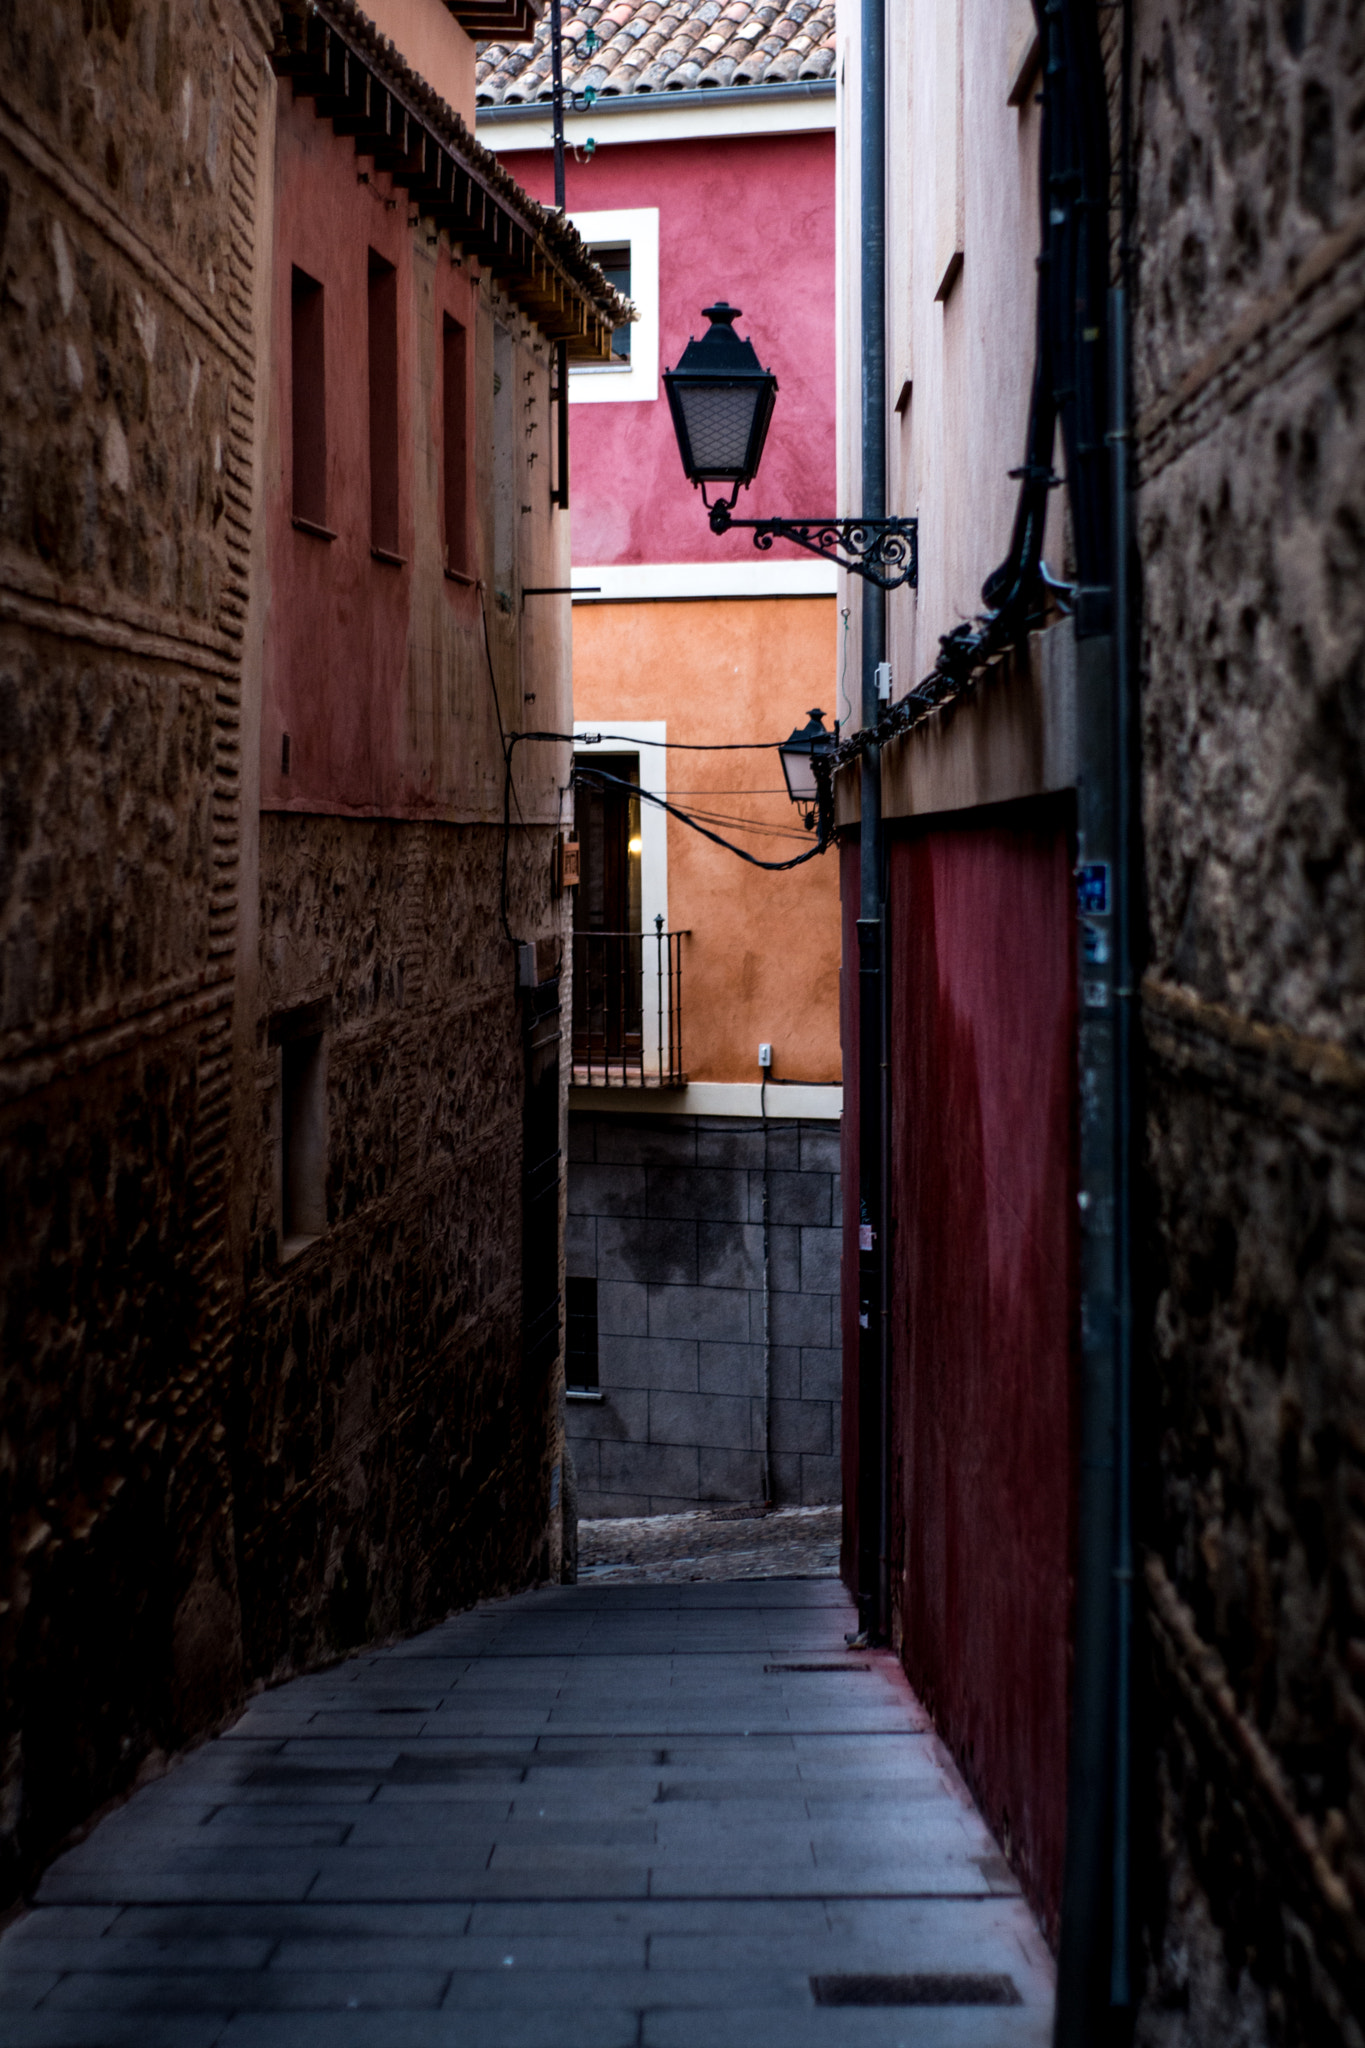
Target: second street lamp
807,758
721,399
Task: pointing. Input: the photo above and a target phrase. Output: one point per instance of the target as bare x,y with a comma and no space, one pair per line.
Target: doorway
607,979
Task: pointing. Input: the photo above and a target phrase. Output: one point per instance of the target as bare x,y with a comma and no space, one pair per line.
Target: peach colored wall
763,958
430,39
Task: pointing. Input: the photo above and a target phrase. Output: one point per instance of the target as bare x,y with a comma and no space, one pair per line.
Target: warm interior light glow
633,845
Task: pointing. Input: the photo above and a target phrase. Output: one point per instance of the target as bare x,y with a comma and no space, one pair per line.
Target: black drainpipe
1094,1991
874,1388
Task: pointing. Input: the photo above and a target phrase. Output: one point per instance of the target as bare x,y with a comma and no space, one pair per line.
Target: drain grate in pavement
928,1988
817,1667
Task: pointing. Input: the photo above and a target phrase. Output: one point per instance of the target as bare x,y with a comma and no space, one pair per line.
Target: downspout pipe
1094,1991
559,496
1127,755
873,1321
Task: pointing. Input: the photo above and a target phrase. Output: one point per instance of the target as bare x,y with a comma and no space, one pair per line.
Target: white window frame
638,380
627,737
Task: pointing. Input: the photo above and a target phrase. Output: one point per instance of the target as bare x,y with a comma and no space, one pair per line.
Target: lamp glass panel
799,769
719,420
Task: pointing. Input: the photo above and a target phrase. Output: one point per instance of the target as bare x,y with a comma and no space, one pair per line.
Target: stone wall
666,1213
391,1461
222,1457
1250,393
128,160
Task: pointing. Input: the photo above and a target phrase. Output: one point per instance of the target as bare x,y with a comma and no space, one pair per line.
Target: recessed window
309,400
383,340
626,244
580,1335
614,263
455,443
303,1139
504,466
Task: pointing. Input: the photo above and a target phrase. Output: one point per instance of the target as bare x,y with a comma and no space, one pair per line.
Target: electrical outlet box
765,1055
883,682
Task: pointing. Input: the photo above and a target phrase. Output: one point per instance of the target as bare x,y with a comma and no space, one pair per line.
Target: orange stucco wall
762,961
429,38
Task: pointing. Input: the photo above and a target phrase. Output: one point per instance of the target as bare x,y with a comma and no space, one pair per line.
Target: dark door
606,976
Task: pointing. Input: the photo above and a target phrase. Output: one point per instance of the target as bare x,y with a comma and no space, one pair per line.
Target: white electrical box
765,1055
883,682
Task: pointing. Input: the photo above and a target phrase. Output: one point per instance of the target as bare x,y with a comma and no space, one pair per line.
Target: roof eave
333,54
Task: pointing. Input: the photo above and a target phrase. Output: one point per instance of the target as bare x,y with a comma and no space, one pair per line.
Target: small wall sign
1092,889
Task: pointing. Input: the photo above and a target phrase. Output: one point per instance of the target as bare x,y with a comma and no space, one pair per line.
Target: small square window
308,385
455,442
302,1131
625,242
580,1347
383,339
614,264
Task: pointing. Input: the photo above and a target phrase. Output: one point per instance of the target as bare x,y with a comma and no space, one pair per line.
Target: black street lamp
808,763
722,401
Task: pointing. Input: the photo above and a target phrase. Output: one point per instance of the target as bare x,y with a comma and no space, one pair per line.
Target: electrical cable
510,745
648,796
630,739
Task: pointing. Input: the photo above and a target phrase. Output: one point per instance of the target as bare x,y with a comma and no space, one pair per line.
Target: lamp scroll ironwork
721,399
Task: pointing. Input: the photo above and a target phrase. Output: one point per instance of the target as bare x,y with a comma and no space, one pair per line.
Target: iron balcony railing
627,1009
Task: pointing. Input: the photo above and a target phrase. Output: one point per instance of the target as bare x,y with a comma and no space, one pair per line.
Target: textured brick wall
391,1460
666,1212
1250,383
127,187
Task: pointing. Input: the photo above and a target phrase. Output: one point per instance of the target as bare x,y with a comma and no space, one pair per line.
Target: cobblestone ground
613,1815
710,1546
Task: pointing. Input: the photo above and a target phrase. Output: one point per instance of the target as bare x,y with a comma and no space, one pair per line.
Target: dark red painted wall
983,1245
340,630
848,1262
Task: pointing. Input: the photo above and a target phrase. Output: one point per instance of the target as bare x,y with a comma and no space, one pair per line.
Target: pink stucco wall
749,219
377,670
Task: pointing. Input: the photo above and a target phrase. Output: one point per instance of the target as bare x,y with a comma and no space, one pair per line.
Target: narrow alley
666,1814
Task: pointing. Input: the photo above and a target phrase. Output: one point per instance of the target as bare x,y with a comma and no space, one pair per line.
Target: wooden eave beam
322,65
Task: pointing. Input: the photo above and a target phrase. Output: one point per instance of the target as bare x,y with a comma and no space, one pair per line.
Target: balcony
627,1009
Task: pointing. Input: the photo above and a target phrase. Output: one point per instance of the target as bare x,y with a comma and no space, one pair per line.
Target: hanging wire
600,778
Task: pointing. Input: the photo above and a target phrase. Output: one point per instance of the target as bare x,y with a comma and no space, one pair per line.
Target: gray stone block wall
666,1214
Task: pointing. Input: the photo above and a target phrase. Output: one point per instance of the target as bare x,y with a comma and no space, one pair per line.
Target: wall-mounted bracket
885,551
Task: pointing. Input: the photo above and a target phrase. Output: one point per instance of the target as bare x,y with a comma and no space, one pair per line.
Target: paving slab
611,1815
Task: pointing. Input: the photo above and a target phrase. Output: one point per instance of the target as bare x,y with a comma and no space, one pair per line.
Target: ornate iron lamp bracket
885,551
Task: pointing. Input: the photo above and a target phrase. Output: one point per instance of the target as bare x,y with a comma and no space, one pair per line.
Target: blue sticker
1094,945
1092,889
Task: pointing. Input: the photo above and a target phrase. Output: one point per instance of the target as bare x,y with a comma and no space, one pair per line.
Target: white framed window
626,243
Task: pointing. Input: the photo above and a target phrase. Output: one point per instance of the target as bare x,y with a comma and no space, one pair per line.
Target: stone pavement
598,1816
712,1543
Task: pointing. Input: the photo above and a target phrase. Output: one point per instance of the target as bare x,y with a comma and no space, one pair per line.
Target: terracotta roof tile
646,46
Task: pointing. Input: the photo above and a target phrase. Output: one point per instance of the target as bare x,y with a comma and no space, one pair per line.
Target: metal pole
767,1472
1120,1990
560,495
677,1062
659,967
873,1367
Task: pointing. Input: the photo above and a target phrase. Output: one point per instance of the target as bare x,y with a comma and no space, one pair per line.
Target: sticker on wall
1095,995
1094,945
1092,889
